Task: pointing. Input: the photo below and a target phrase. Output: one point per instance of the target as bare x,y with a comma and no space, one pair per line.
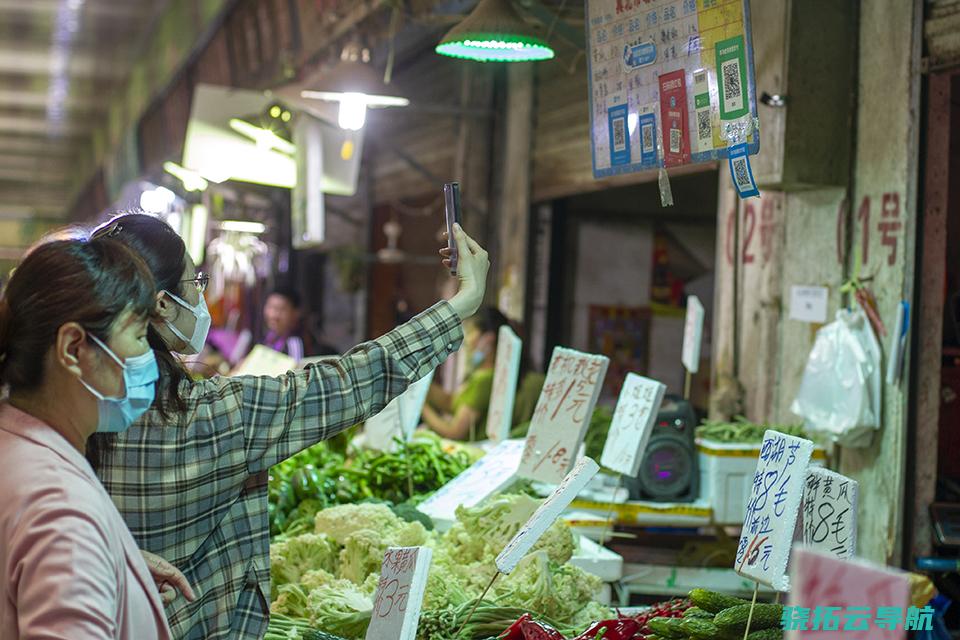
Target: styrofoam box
726,474
600,561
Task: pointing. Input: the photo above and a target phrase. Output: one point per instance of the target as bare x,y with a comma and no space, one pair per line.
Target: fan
392,254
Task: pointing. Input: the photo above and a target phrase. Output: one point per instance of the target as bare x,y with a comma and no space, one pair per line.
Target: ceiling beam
31,177
117,11
40,126
33,99
37,145
41,62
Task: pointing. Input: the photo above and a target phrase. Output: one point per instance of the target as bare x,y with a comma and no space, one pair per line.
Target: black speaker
669,471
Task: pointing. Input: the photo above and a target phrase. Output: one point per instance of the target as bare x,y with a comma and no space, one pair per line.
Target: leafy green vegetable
742,430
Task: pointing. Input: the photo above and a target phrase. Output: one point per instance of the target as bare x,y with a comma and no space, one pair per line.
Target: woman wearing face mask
74,359
463,415
190,477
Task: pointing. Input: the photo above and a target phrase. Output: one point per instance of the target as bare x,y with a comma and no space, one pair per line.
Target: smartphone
451,197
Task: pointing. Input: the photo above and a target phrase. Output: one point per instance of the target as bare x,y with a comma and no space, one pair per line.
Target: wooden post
514,197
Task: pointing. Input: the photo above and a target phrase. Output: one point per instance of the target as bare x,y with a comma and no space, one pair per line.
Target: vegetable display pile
322,476
327,578
742,430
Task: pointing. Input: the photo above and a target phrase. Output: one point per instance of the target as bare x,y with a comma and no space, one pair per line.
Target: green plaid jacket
194,490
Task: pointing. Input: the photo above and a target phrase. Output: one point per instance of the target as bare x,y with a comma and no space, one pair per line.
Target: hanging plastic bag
839,396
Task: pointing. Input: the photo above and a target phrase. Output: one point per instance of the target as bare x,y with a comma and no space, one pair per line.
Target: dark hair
88,282
164,253
488,319
289,293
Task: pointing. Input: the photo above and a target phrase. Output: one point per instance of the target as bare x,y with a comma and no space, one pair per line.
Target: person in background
74,360
190,476
286,333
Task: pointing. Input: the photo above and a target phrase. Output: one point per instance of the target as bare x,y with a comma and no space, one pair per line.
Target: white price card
399,595
546,514
633,421
264,361
563,413
829,514
692,334
506,372
834,599
487,476
809,304
772,509
399,419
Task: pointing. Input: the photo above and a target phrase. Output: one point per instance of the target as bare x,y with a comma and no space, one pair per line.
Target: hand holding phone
451,197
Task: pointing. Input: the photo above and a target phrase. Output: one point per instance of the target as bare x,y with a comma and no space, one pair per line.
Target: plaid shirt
194,490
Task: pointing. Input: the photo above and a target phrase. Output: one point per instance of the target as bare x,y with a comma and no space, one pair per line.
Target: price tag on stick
829,514
849,600
546,514
772,509
563,413
632,423
399,595
506,372
399,419
692,335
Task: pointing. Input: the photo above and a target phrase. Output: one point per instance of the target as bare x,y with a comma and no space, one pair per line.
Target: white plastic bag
839,396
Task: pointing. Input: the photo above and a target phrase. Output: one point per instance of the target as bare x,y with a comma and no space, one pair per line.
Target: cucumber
318,635
765,616
714,602
766,634
700,628
697,612
667,627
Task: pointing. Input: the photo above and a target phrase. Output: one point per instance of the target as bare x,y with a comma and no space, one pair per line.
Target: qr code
675,140
647,138
741,175
704,130
731,80
619,135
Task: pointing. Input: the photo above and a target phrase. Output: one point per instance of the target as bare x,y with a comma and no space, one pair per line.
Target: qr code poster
664,76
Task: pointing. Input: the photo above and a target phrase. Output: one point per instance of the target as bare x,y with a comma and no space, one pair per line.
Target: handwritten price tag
399,419
487,476
772,509
505,374
633,421
692,335
563,413
399,595
546,514
829,515
851,598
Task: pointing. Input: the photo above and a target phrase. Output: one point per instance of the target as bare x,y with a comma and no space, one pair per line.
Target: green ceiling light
494,32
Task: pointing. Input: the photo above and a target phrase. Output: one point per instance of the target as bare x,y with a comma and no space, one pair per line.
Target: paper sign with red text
506,371
632,423
563,413
834,599
399,596
772,509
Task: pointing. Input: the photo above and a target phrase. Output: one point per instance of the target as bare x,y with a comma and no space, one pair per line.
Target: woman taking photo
74,359
190,477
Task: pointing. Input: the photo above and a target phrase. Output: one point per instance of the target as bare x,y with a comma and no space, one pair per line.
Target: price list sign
773,509
633,421
506,372
399,595
671,82
829,516
562,415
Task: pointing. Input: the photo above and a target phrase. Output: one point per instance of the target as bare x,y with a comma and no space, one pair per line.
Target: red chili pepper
515,631
533,630
617,629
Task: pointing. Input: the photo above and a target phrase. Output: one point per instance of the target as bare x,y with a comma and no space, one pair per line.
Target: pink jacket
69,569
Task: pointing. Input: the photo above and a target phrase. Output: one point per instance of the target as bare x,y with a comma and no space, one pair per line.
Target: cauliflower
340,608
291,601
590,613
362,555
317,578
293,557
342,521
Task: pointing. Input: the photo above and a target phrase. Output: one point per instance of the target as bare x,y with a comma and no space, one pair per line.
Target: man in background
285,330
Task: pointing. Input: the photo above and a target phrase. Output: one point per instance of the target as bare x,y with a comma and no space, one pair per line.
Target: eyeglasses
200,281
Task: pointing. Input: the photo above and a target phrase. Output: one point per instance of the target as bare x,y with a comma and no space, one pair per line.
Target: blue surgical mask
477,358
140,375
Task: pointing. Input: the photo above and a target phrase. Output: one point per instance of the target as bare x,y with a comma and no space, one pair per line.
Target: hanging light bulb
353,111
494,32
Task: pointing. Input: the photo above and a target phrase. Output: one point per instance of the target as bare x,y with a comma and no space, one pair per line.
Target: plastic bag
839,396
